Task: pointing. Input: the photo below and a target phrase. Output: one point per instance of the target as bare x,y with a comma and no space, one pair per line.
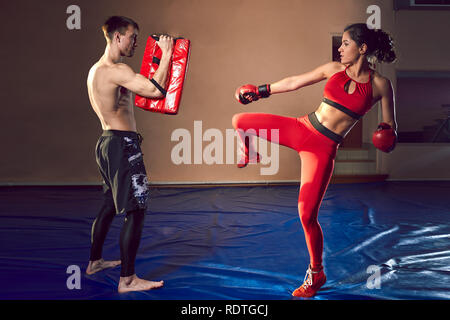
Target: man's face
128,42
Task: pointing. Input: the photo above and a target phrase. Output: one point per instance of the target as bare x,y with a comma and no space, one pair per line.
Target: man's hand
139,84
166,45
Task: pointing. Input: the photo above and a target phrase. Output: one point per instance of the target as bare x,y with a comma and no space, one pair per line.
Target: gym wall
49,130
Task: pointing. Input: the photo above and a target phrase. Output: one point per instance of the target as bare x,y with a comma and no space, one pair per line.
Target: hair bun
385,47
380,44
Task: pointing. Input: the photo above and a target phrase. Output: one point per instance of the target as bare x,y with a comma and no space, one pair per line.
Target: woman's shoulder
380,80
332,68
382,85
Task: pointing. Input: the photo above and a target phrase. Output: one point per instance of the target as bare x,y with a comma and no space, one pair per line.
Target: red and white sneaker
314,279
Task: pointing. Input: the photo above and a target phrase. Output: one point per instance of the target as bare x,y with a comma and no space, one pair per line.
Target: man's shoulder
110,67
120,66
97,68
120,71
113,72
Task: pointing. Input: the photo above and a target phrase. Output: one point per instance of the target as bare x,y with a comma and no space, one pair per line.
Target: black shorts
121,164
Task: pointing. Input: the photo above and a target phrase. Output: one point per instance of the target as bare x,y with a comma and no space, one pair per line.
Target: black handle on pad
156,37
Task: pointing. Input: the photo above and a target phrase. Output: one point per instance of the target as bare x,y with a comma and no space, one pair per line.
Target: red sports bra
354,104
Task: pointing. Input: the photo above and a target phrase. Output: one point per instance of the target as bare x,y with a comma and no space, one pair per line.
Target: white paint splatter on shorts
134,157
140,188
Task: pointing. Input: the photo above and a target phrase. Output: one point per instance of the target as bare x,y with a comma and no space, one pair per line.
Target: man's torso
112,103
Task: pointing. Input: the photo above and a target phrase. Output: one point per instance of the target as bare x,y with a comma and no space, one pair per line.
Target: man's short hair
117,23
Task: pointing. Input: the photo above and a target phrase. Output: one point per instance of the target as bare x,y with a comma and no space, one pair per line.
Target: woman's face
349,50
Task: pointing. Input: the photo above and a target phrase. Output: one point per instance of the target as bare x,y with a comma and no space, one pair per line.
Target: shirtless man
118,154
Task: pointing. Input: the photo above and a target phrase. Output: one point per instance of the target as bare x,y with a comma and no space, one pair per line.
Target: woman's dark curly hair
379,44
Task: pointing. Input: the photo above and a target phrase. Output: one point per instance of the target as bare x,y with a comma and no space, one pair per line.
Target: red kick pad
177,74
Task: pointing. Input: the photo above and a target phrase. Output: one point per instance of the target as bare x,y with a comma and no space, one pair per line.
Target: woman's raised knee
235,120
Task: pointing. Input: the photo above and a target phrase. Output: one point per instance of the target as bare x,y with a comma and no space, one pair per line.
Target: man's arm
139,84
124,76
165,43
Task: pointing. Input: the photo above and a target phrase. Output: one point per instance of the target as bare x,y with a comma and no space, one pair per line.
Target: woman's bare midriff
334,119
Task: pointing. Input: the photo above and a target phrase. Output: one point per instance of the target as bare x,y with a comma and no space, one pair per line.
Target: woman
351,90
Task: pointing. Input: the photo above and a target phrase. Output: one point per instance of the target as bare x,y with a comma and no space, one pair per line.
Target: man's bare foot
99,265
133,283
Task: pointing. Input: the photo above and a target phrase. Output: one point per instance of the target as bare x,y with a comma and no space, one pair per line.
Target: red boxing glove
250,93
384,138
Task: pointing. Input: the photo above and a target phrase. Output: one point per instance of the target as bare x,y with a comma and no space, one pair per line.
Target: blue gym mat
387,240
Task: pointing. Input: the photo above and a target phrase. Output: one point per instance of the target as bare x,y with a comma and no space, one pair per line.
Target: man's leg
132,195
130,238
101,224
100,228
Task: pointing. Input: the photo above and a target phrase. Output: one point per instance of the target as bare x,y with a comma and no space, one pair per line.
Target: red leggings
317,153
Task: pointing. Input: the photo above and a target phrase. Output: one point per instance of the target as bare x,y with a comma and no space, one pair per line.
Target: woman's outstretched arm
305,79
